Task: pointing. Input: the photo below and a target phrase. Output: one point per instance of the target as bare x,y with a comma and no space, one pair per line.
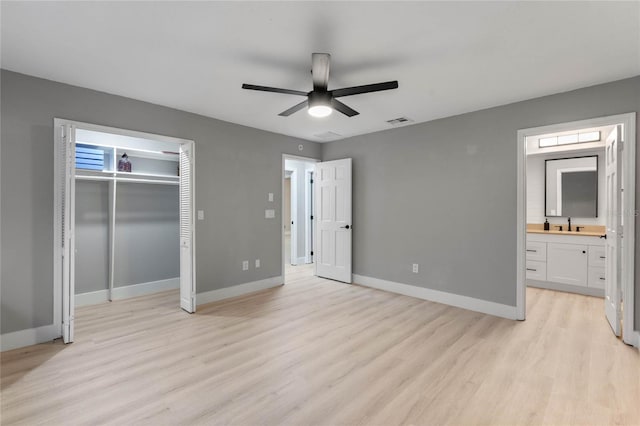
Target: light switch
200,214
269,214
271,197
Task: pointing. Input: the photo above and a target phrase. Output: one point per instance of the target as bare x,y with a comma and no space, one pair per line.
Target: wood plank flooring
318,352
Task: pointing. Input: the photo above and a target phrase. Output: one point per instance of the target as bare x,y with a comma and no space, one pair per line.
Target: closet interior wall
127,224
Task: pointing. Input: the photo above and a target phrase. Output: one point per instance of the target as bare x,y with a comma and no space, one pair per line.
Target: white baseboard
237,290
125,292
465,302
30,336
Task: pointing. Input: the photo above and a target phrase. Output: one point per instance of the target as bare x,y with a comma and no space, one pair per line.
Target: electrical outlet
245,265
271,197
269,214
200,214
415,268
257,263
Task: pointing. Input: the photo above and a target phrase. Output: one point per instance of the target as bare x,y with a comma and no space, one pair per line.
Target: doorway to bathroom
576,216
298,219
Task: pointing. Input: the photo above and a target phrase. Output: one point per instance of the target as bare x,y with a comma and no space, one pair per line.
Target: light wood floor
320,352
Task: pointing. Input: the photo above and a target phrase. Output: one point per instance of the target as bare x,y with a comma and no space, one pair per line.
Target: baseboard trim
587,291
125,292
238,290
464,302
28,337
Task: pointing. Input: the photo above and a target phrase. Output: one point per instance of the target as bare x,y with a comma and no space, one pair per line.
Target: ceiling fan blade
339,106
367,88
273,89
294,108
320,70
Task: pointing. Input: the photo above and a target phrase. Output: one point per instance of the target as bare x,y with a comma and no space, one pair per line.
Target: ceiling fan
320,100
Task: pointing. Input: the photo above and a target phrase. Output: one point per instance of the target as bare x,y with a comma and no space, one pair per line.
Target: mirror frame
596,156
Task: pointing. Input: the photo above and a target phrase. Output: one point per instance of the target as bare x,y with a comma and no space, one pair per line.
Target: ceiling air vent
328,135
399,121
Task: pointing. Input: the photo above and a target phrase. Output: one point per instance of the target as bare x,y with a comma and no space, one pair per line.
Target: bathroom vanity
566,261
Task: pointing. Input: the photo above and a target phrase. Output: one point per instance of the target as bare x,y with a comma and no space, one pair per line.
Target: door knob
345,227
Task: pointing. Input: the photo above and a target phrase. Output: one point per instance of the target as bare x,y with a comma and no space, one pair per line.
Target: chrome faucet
569,227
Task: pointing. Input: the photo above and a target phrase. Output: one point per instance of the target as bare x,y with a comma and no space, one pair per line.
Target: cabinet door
567,263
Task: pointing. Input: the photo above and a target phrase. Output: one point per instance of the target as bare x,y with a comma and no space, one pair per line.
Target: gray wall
443,193
92,236
147,244
146,234
234,228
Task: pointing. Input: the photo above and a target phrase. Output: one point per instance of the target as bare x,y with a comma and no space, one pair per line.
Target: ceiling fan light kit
320,101
319,104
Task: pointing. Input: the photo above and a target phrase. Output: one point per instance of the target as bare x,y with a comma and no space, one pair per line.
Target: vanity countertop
588,231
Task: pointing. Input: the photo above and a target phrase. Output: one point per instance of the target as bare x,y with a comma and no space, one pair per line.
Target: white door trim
282,172
628,120
58,301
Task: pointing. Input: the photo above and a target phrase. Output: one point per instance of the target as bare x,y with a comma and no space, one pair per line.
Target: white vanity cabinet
566,262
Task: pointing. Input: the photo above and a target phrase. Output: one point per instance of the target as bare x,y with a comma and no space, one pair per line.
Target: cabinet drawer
536,270
596,256
596,278
536,251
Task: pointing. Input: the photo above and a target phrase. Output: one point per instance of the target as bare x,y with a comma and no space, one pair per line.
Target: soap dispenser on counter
546,224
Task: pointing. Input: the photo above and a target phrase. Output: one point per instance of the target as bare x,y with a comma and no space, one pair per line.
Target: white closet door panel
66,177
187,270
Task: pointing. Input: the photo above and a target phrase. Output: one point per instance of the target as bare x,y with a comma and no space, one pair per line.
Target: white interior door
332,182
612,291
66,215
187,261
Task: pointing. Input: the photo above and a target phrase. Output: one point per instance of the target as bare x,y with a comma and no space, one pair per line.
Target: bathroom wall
536,188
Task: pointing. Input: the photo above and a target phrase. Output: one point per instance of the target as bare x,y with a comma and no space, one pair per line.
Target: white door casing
612,292
332,184
187,261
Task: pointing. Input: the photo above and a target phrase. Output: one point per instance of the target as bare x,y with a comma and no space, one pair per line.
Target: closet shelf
126,177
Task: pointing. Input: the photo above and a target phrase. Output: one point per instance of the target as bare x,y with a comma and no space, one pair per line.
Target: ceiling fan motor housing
317,98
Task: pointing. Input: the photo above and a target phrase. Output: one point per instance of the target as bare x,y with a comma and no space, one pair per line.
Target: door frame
628,120
282,175
58,302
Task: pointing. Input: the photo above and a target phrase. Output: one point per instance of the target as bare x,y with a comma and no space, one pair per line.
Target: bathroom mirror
571,187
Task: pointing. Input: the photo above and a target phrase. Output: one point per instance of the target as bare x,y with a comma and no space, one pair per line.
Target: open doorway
124,218
576,215
297,217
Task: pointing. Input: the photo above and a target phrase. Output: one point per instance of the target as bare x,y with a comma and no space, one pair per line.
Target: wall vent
400,120
327,135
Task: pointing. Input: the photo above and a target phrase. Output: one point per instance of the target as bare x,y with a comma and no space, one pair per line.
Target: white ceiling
449,57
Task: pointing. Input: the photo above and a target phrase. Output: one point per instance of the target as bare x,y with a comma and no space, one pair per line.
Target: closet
127,216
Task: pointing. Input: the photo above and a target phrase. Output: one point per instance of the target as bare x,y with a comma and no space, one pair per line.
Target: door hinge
311,217
312,253
311,180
